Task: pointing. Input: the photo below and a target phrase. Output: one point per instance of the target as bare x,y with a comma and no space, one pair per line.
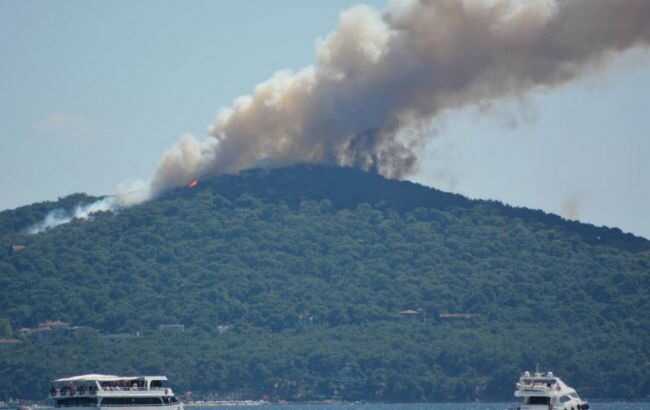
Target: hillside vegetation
310,282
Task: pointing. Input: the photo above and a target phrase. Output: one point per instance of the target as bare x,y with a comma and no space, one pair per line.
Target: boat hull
176,406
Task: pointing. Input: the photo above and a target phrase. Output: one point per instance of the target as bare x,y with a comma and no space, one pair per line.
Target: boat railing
73,393
536,386
93,392
139,404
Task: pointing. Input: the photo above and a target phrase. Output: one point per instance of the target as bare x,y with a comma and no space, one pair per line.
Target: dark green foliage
5,329
17,221
311,266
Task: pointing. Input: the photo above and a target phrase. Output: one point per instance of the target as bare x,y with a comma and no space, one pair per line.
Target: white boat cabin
100,390
545,391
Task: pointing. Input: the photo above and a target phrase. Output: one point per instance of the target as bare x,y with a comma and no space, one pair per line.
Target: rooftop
106,378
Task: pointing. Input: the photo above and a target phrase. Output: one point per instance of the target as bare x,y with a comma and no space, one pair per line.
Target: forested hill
312,282
15,222
349,187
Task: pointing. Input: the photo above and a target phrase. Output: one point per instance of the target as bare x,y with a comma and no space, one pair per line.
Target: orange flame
193,183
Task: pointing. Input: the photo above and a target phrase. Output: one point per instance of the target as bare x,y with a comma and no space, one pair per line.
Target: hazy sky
91,94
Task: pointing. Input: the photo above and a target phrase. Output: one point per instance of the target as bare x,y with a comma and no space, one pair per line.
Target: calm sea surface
422,406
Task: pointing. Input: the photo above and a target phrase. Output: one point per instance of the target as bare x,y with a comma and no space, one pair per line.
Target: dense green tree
316,282
5,328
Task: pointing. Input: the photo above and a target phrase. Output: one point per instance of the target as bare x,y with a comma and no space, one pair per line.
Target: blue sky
92,93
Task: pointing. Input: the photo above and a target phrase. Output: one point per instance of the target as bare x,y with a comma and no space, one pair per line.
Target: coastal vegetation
313,282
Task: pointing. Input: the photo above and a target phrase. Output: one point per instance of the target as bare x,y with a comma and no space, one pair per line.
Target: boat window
123,385
574,395
156,384
131,401
76,402
533,400
564,399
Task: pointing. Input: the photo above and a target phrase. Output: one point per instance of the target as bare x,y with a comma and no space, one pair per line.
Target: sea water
420,406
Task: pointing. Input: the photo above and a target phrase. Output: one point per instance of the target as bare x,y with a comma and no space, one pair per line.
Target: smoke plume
570,207
380,79
58,217
127,194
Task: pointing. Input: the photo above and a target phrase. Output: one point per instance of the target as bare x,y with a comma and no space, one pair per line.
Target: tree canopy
313,282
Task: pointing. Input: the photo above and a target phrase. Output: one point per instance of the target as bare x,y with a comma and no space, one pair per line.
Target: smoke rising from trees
380,79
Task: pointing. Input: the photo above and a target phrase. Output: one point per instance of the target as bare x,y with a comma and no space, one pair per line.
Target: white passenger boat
545,391
106,392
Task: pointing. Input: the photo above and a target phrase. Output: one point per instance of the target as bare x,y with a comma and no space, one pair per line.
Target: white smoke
127,194
381,78
131,193
61,216
379,81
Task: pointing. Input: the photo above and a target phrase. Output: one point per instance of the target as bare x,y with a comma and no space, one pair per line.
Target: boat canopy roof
107,378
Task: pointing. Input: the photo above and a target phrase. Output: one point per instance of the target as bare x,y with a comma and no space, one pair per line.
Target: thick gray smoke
380,79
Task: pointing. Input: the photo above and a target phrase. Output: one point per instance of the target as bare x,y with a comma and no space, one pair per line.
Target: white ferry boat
107,392
545,391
